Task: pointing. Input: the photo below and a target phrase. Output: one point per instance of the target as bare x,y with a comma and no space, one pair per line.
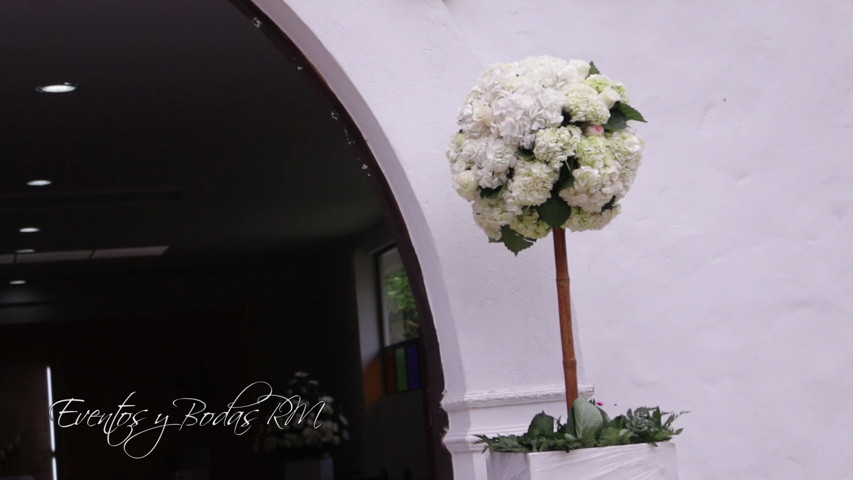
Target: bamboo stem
570,365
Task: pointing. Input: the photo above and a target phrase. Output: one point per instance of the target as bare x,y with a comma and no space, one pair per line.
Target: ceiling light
57,88
29,230
17,282
39,183
25,250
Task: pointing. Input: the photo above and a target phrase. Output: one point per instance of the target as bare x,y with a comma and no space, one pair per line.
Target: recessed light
39,183
17,282
57,88
25,250
29,230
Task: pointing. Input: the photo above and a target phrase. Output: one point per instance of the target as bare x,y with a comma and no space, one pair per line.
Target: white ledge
465,442
499,398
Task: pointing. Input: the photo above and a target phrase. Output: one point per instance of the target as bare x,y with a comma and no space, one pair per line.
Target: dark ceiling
190,129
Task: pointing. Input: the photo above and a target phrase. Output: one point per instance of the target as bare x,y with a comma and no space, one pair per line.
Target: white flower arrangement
544,143
313,430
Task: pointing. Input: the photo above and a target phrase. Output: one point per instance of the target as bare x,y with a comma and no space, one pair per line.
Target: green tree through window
400,315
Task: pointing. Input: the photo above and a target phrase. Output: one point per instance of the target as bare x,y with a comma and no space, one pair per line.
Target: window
400,325
399,314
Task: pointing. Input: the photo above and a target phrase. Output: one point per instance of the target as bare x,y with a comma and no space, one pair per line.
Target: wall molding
465,442
504,398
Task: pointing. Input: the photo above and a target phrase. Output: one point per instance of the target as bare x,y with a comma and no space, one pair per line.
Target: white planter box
626,462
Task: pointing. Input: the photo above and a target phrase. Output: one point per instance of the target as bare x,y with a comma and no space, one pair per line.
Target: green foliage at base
587,426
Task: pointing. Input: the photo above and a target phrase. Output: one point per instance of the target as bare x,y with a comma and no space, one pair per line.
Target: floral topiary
544,143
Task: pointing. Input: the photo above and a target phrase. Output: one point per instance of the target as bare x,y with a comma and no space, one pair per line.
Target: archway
45,200
439,462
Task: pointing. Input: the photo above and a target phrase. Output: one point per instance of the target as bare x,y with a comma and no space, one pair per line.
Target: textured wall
725,286
722,288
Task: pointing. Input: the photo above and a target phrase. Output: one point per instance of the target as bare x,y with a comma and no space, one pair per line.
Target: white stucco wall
723,287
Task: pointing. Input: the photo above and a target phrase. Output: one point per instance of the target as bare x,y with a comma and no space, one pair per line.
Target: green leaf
630,112
555,211
618,422
541,424
568,428
588,439
609,205
614,436
643,425
573,163
593,70
525,154
587,417
617,121
566,178
604,414
490,192
514,241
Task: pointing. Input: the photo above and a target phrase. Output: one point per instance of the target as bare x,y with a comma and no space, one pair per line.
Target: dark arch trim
440,460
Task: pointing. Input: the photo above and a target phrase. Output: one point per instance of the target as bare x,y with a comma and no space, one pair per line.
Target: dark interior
189,129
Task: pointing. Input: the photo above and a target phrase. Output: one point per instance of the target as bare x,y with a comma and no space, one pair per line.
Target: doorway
206,197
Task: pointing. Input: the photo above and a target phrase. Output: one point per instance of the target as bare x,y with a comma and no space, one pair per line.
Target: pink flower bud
593,130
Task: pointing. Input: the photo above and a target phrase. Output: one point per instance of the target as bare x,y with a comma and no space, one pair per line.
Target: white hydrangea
488,158
591,190
475,117
530,225
583,104
609,91
607,167
522,105
492,167
525,109
581,220
466,155
627,149
609,97
491,214
507,103
466,185
555,73
594,151
627,146
453,152
554,145
530,185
